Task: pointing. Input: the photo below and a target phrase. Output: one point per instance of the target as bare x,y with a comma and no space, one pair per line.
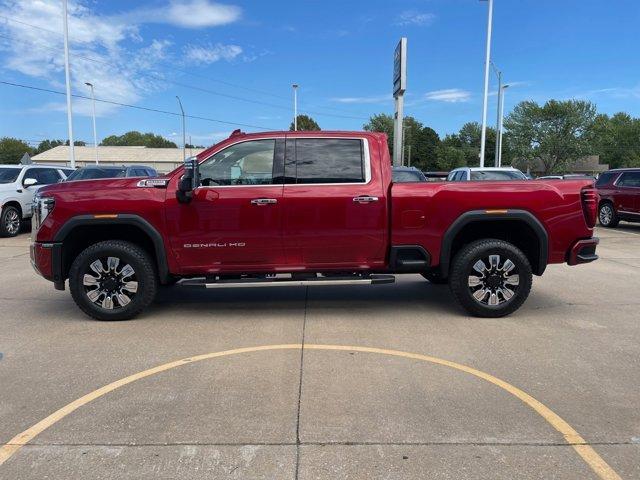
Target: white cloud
451,95
413,18
105,50
189,14
211,53
364,100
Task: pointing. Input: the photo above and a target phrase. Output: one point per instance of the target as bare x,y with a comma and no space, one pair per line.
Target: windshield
498,175
9,175
96,173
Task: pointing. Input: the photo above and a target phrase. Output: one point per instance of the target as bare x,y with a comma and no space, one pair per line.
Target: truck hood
92,185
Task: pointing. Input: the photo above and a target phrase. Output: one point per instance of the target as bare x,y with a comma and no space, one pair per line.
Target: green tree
468,140
419,140
558,133
381,122
135,138
448,157
306,124
45,145
617,140
12,150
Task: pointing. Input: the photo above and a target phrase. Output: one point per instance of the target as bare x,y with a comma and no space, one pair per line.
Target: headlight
42,207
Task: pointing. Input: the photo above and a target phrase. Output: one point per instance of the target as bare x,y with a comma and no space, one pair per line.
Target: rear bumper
583,251
46,260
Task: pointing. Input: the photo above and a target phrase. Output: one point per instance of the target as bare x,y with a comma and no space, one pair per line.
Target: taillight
589,197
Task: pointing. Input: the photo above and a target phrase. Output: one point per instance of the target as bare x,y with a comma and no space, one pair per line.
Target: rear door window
629,179
325,160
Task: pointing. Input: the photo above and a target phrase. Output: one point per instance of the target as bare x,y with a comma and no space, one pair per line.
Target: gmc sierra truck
302,208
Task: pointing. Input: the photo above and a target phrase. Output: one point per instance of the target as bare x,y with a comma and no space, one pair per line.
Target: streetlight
95,135
295,107
483,137
501,118
498,114
184,131
67,75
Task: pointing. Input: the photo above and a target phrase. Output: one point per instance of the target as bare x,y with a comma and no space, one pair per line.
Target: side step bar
286,281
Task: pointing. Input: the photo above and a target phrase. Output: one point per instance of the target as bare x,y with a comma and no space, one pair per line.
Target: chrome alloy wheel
606,214
108,286
493,281
12,222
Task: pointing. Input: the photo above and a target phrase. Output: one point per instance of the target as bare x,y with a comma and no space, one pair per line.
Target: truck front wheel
490,278
113,280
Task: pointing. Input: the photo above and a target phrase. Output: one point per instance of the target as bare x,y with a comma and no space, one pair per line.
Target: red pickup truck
296,208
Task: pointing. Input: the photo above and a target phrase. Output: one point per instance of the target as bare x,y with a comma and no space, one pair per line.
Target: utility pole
501,120
95,134
483,135
67,75
184,131
409,146
498,114
295,107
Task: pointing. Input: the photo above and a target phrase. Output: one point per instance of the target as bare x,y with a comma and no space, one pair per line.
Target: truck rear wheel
113,280
490,278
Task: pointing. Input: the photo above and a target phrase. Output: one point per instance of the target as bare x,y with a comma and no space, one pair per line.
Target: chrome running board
287,281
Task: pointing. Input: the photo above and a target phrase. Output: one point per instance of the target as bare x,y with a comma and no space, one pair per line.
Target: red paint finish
311,227
41,260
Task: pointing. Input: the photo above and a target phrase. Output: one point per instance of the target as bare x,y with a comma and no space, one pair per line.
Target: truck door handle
264,201
365,199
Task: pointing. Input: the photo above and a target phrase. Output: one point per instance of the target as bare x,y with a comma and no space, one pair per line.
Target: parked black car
407,174
95,172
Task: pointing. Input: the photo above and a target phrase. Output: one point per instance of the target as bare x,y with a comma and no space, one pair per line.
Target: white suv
18,185
469,174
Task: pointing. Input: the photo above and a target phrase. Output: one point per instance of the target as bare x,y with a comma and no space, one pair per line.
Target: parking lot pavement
372,409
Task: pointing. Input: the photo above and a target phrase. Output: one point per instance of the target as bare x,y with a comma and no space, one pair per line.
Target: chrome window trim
367,163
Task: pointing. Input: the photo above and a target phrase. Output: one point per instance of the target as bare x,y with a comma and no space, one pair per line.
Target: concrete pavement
312,413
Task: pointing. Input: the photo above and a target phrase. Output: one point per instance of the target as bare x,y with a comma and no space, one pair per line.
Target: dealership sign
400,68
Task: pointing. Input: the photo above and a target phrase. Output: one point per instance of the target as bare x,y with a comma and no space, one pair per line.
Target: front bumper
46,260
583,251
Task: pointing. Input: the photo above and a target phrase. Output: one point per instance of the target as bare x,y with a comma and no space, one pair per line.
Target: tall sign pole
399,87
67,74
485,99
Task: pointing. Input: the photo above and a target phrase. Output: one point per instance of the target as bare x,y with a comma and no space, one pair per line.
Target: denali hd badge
214,245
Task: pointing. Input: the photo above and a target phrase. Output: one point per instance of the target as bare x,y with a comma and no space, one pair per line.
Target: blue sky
235,61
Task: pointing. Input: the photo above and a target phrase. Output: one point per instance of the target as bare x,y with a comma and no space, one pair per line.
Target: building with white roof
162,159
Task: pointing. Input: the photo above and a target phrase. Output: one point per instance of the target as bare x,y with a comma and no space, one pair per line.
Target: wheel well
516,232
83,236
15,204
603,201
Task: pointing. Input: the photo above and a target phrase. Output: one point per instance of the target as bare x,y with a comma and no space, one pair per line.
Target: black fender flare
122,219
474,216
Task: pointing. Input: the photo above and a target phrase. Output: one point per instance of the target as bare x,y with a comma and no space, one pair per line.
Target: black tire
607,215
125,303
496,282
10,221
435,278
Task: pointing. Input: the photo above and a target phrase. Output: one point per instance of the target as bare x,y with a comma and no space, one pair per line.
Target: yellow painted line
572,437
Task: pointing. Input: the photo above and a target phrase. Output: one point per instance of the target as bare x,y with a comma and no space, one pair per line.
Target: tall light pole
95,134
67,75
295,107
498,110
483,135
184,131
501,118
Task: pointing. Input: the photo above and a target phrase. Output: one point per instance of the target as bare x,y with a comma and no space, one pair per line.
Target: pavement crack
304,325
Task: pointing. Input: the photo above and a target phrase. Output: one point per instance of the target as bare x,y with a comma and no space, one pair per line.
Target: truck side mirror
190,180
30,182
